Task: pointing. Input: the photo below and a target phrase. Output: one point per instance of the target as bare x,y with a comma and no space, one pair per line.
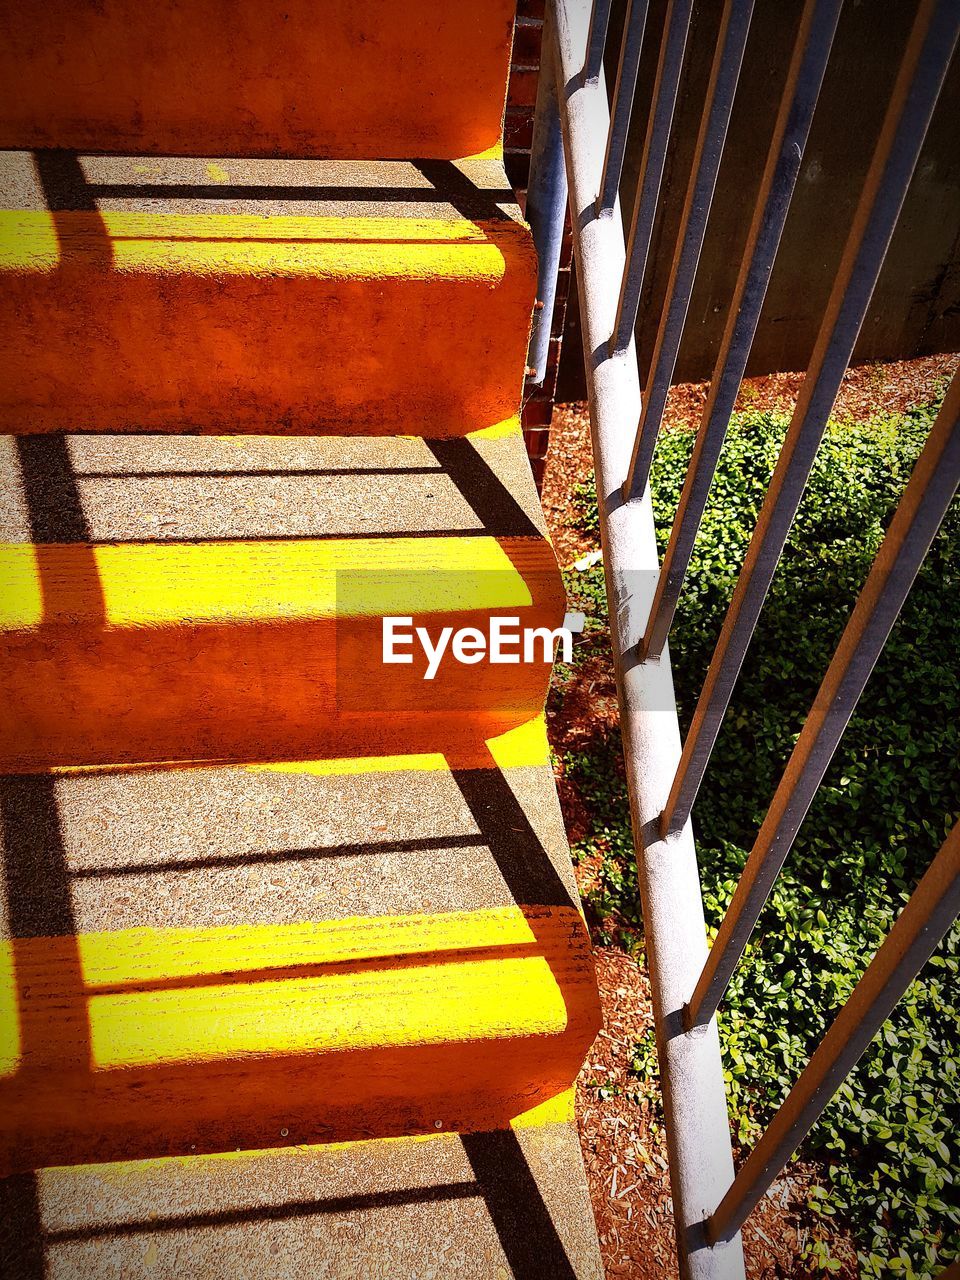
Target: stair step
481,1206
191,599
228,296
201,958
335,79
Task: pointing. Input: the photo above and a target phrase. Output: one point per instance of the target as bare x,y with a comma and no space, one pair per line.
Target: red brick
526,44
518,128
523,88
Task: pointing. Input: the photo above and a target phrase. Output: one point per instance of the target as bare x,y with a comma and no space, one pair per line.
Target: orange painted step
202,77
210,958
229,296
190,1045
235,649
169,598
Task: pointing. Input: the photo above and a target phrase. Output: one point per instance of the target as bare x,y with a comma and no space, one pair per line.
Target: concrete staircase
293,977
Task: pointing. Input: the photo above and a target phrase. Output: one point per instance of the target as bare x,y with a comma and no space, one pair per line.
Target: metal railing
711,1199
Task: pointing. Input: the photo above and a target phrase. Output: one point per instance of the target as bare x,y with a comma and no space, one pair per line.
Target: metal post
623,96
818,25
546,205
721,90
665,91
599,21
698,1133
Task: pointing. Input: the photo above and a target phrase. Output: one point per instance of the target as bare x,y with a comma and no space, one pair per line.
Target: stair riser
248,1108
244,693
262,650
436,347
198,77
140,1043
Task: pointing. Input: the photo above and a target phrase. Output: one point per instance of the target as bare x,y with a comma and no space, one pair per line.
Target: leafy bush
890,1140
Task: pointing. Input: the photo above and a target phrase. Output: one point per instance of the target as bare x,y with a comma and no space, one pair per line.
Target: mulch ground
622,1138
866,390
625,1153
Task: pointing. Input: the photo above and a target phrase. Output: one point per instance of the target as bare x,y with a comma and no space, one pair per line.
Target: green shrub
890,1141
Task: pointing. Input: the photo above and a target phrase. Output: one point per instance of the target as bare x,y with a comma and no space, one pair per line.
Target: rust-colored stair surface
338,948
293,973
203,77
162,295
258,572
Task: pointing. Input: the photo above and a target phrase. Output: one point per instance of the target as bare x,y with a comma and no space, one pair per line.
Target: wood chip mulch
866,390
621,1134
625,1153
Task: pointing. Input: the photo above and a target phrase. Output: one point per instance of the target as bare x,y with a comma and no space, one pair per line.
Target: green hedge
890,1140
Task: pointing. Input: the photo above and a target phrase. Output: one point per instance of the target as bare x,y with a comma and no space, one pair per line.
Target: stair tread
226,838
481,1206
154,190
231,296
351,944
170,488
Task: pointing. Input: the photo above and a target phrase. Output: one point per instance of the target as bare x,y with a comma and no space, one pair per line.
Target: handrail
546,207
932,909
698,1134
687,982
928,494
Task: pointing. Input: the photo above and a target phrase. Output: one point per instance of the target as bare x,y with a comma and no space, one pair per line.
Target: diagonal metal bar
933,906
818,24
721,90
599,22
925,500
924,65
665,89
623,96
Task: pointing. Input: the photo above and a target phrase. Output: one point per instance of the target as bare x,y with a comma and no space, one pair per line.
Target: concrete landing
202,78
482,1206
229,296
